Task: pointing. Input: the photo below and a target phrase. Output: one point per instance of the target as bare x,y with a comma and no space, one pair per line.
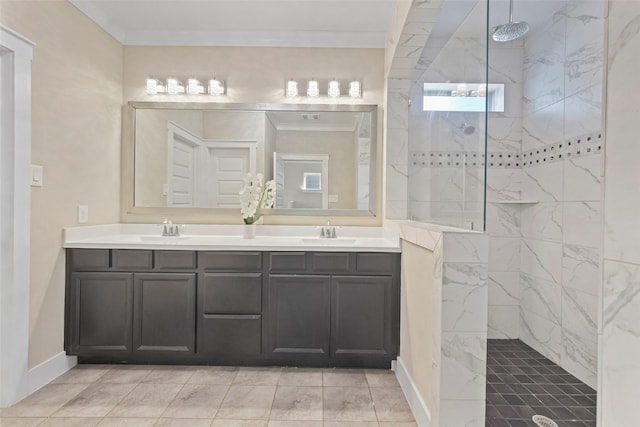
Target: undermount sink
163,239
338,241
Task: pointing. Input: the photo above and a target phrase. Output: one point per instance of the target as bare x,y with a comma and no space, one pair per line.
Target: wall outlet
83,214
165,189
37,175
333,198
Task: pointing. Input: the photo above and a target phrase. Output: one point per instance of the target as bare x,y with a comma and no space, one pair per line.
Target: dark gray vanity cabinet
164,312
299,315
99,312
341,307
124,303
233,307
362,316
230,305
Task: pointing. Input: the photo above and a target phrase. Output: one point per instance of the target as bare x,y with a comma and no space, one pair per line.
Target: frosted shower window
464,97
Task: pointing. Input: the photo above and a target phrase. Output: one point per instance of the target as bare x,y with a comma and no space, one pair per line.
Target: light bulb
292,89
462,89
216,87
174,87
154,86
355,90
334,89
194,87
312,88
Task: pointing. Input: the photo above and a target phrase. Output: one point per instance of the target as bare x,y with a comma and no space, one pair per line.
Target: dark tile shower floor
521,383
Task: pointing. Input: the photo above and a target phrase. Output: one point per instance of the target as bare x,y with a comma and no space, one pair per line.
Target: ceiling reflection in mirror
320,160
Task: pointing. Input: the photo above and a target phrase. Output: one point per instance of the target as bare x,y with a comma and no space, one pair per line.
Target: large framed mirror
193,156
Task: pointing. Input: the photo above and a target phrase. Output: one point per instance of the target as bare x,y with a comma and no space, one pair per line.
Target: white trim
15,210
418,407
47,371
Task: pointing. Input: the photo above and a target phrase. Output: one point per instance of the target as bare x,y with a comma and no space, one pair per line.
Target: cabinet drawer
231,261
232,293
288,262
176,260
89,259
226,335
375,263
331,262
132,259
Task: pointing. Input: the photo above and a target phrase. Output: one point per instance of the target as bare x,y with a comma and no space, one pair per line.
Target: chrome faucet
328,232
168,229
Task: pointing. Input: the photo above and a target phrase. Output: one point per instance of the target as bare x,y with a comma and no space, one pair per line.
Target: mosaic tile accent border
576,147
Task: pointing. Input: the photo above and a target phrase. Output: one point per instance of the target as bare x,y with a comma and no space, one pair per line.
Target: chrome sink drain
543,421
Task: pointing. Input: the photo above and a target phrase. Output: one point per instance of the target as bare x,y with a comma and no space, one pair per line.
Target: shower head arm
510,11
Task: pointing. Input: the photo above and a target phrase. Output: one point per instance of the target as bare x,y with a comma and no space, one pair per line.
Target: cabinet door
362,316
164,312
298,315
101,307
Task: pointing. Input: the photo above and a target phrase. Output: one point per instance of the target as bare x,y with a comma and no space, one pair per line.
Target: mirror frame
132,213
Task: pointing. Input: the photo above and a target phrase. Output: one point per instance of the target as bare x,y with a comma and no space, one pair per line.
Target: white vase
249,231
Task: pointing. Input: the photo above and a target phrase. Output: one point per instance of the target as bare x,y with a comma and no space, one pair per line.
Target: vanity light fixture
194,87
154,86
355,89
313,90
175,87
291,91
334,89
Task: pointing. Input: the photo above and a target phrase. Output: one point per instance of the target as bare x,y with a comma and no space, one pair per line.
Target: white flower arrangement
256,194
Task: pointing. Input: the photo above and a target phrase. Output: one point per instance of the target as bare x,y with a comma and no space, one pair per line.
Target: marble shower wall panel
542,334
464,329
543,183
397,148
542,221
579,334
504,184
584,45
581,268
619,364
543,126
583,112
582,179
561,235
620,343
544,58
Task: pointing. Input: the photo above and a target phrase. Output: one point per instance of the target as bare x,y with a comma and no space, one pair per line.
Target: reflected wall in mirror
321,158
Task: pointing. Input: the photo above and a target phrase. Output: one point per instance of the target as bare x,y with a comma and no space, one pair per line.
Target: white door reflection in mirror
292,171
228,166
182,161
206,173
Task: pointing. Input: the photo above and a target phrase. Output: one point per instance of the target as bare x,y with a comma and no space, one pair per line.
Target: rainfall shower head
467,129
512,30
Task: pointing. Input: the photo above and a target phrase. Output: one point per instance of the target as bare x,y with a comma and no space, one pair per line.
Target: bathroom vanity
264,301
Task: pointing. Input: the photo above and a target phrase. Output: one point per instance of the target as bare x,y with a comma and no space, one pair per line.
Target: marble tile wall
619,361
542,256
459,325
504,183
561,243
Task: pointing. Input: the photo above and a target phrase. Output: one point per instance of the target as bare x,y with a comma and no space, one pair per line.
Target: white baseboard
417,405
42,374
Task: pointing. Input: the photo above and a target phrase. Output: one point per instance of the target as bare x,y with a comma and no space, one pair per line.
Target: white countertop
229,238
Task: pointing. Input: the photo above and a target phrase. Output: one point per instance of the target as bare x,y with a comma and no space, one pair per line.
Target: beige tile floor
214,396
